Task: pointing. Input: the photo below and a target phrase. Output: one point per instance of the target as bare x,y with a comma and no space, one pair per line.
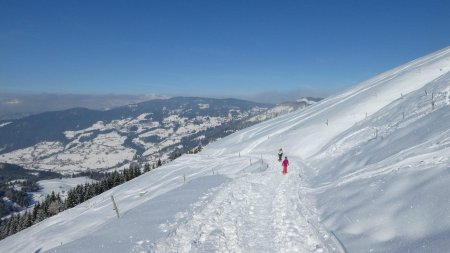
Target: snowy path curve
261,211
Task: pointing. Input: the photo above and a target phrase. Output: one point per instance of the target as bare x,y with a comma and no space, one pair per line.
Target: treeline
81,193
15,183
53,204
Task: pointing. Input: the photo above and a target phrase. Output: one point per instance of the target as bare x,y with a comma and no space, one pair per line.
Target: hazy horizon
210,48
17,105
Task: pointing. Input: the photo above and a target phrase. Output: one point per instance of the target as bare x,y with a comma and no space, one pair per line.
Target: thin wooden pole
115,206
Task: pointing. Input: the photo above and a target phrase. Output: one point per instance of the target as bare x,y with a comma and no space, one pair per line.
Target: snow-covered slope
369,172
283,108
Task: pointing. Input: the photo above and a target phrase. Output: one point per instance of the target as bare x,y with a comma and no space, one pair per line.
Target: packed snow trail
262,211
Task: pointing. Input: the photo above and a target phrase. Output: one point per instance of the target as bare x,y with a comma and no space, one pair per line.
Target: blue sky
211,48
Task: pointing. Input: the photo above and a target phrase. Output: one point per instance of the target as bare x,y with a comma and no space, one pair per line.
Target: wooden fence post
115,206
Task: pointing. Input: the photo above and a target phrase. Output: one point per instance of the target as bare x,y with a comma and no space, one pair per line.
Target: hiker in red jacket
285,165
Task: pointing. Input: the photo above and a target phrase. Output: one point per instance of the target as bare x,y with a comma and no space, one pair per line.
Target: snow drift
370,172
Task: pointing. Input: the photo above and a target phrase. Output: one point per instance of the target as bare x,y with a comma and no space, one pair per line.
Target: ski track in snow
262,211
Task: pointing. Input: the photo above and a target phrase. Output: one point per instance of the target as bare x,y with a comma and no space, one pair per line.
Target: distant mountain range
14,106
81,139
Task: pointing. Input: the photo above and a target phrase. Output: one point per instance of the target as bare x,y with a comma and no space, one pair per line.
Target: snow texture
369,172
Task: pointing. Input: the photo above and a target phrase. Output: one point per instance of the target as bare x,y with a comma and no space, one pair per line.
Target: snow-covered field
104,151
61,186
369,172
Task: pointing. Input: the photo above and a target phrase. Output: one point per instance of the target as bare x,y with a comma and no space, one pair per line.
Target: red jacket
285,162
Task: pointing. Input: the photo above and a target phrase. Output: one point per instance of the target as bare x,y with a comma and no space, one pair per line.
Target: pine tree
40,215
3,229
116,179
52,196
25,221
146,167
8,227
104,185
70,200
79,194
98,188
37,206
137,172
14,224
159,163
